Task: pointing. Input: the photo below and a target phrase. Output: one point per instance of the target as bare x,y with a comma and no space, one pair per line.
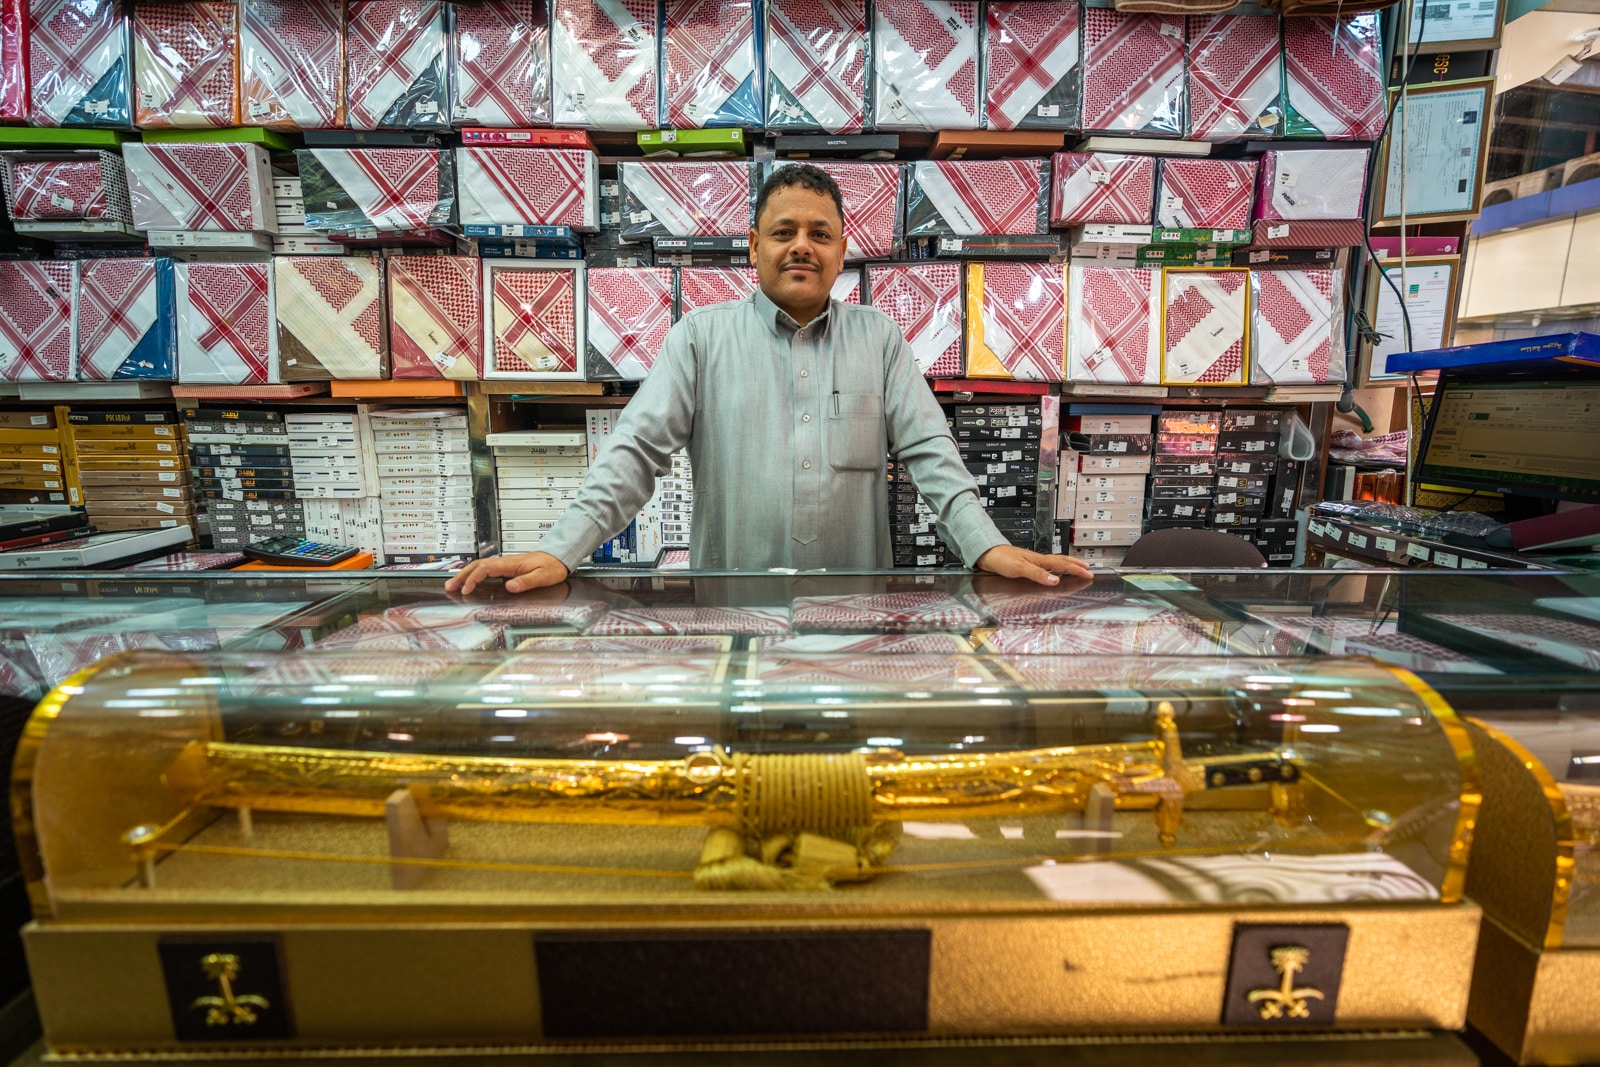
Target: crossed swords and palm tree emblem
228,1008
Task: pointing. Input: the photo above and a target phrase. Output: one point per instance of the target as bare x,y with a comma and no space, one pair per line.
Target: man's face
798,247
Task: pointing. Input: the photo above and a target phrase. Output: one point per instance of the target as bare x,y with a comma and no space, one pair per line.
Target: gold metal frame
1374,278
1381,218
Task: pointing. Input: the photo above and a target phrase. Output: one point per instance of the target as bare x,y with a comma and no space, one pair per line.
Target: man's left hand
1009,561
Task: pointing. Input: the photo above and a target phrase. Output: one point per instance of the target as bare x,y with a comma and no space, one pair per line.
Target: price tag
1356,540
1447,559
1474,565
1263,256
1277,232
1416,551
1100,177
1334,533
1117,446
1049,111
1385,544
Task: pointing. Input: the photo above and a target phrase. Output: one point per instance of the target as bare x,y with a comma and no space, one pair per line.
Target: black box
1181,488
1241,463
1186,444
1251,420
1113,444
1251,444
1244,483
1191,510
1164,468
1189,422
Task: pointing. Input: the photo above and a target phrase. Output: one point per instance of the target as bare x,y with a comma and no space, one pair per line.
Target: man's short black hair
804,175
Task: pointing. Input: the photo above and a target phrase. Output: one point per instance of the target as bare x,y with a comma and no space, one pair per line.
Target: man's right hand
529,570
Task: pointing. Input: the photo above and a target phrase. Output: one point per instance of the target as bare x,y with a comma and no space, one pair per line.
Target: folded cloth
907,612
350,189
332,314
13,61
199,186
700,287
847,286
925,64
435,317
225,327
500,61
1312,183
1175,7
125,318
1132,74
1115,332
978,196
1205,193
535,326
816,64
1017,321
185,67
36,336
397,74
709,73
603,64
38,189
873,195
924,300
690,620
508,185
1033,75
291,64
1235,77
692,198
1204,324
1298,322
78,64
1333,78
630,312
1100,187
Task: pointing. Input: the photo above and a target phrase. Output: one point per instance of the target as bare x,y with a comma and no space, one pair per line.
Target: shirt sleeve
920,438
655,424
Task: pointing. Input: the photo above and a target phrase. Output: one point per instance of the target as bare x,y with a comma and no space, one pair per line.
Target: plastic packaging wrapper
700,287
79,64
200,186
1348,446
1115,330
225,324
1017,321
873,195
1235,77
924,300
1298,322
603,58
13,61
1032,65
710,73
630,312
691,620
500,62
505,185
37,342
1205,322
535,321
435,317
816,65
1333,78
1312,183
710,198
847,286
1101,187
348,190
42,186
332,318
966,197
397,70
185,64
126,318
925,65
1132,73
914,611
1206,193
291,64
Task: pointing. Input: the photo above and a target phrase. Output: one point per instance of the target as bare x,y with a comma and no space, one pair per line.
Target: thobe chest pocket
857,440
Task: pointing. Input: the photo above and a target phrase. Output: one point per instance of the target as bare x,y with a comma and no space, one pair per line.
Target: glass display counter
350,811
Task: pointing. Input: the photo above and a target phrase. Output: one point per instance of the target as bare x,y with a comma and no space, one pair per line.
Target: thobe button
805,374
805,464
805,418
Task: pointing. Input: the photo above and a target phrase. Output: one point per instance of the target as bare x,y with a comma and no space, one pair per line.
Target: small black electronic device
297,552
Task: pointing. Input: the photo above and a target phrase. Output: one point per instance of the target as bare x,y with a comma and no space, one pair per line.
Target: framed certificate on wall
1430,285
1434,157
1455,25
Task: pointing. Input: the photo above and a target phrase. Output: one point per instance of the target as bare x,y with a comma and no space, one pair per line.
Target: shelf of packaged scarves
274,142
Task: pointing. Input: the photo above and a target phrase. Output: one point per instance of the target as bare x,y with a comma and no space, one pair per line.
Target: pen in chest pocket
836,402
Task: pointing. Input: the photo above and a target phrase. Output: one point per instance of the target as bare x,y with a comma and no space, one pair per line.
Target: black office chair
1193,548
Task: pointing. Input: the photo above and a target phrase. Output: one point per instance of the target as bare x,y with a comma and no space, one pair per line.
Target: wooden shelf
285,391
400,389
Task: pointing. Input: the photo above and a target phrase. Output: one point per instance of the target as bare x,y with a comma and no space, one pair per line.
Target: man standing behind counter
789,402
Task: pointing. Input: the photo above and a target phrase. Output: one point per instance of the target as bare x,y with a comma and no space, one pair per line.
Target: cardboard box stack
294,237
35,462
607,248
1247,461
424,484
134,472
537,474
1112,446
336,478
1184,469
244,476
664,520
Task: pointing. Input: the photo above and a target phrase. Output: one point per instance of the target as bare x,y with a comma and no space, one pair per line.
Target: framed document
1430,284
1455,25
1439,176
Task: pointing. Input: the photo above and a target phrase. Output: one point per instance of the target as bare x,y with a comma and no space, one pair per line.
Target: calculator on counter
296,552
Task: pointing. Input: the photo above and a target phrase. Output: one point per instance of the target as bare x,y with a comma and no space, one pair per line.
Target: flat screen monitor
1526,437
